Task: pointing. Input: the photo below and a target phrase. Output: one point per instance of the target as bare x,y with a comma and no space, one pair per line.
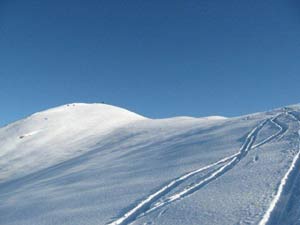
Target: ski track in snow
161,192
281,131
241,154
274,203
144,207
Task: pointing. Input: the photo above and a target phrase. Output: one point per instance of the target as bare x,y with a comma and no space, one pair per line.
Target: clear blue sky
157,58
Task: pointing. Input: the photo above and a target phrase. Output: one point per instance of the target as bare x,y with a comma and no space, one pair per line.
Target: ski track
144,207
149,200
285,129
266,218
281,131
223,169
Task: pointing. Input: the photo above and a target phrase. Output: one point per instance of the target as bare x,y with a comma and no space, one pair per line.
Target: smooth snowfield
99,164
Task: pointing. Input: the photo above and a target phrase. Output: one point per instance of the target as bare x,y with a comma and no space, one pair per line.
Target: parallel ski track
224,168
144,207
283,183
281,131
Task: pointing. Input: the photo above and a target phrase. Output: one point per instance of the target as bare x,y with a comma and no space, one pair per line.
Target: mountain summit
51,136
99,164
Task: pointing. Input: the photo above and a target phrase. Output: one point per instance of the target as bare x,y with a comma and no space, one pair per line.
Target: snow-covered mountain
86,164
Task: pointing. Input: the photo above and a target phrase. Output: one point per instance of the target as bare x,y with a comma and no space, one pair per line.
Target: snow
99,164
53,135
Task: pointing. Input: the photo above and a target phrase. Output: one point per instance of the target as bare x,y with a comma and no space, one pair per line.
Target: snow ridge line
267,215
143,207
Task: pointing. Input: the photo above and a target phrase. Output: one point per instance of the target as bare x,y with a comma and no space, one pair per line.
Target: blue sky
157,58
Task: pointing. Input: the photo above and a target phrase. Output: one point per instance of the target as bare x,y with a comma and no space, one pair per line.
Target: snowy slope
57,134
100,164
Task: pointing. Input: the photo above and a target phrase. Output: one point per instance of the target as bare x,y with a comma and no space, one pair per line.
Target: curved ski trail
149,200
144,207
281,131
241,154
283,183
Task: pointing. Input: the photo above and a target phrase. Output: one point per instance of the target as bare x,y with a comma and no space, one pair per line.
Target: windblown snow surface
94,164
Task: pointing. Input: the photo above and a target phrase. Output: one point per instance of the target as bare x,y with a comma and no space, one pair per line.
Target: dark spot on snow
22,136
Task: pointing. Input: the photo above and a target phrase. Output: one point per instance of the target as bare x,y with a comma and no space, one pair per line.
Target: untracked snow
99,164
49,137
